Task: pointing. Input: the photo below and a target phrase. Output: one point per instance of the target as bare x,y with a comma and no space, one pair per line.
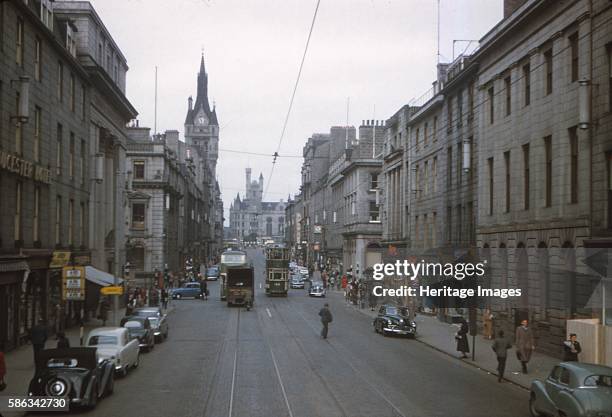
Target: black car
394,320
158,320
73,373
139,327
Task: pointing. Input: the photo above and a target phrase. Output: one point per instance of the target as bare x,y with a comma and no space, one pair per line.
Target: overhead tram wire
297,81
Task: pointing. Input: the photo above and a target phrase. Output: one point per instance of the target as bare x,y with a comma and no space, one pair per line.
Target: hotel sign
24,168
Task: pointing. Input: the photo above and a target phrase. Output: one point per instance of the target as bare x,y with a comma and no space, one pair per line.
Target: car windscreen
146,313
102,340
212,271
598,381
134,324
154,321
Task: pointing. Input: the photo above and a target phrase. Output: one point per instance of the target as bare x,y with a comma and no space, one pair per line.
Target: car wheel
137,362
110,385
532,409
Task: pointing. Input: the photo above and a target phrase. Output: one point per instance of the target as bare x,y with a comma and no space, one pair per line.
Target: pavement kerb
474,364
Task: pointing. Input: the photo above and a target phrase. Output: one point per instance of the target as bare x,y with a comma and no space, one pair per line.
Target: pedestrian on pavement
104,307
2,370
326,318
571,349
38,337
488,332
500,347
62,341
525,344
462,340
204,290
164,295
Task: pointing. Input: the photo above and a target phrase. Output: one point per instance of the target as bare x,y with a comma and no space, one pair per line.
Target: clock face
201,120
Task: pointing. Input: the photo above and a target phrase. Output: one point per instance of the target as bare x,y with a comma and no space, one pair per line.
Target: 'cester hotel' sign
24,168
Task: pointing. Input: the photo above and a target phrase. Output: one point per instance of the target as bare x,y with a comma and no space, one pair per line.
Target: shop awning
101,278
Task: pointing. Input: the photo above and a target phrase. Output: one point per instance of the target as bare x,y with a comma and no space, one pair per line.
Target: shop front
12,271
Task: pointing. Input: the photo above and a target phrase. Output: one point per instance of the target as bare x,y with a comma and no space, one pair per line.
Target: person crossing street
326,318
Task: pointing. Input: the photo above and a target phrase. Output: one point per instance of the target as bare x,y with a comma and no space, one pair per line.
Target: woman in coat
524,344
462,340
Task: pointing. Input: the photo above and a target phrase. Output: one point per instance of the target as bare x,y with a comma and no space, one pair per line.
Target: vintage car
158,320
394,320
573,389
212,273
190,289
115,344
139,327
297,281
74,373
316,289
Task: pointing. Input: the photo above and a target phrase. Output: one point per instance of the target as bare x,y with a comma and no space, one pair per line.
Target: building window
459,165
82,164
60,82
435,129
70,221
491,185
138,216
471,100
58,150
508,86
610,77
426,177
83,102
82,224
335,217
425,134
37,133
526,191
548,170
507,169
36,217
20,39
449,166
373,181
491,105
374,212
58,220
353,206
449,222
573,142
449,114
18,128
548,59
72,93
435,174
573,41
417,139
18,209
527,81
460,108
71,156
37,59
139,170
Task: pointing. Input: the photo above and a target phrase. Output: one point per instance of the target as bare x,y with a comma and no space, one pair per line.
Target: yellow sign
111,290
73,283
60,259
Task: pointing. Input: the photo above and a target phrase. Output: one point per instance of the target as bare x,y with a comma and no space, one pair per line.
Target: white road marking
268,311
260,285
280,380
231,404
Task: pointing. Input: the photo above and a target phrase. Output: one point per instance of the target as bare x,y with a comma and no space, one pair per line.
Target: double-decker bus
229,259
277,271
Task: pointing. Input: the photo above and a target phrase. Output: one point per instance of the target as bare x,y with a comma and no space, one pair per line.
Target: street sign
111,290
73,283
60,259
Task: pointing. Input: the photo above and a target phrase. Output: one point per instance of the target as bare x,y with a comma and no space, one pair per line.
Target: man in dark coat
462,339
62,341
571,349
38,337
525,344
500,347
326,318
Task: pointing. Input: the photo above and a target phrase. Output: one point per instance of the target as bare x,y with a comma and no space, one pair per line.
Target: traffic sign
111,290
73,283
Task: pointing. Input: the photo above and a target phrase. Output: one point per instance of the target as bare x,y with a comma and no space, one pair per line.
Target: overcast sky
379,53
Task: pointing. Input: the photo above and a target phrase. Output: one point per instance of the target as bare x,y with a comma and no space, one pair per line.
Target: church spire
202,96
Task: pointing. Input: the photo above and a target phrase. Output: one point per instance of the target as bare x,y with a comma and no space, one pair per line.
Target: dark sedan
139,327
191,289
73,373
158,320
394,320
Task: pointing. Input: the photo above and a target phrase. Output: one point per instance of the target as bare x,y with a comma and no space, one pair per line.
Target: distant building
251,218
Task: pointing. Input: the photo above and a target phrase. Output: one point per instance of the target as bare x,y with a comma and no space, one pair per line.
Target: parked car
190,289
394,320
297,281
73,373
115,344
573,389
316,289
158,320
139,327
212,273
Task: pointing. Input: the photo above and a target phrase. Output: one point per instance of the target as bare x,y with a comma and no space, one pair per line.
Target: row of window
74,233
548,171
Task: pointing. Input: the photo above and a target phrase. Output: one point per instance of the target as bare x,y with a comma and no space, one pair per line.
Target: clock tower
201,125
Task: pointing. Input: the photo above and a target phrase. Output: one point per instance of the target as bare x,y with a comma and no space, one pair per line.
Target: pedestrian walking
104,307
38,337
204,290
488,324
500,347
571,349
462,340
2,370
164,296
525,344
62,341
326,318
